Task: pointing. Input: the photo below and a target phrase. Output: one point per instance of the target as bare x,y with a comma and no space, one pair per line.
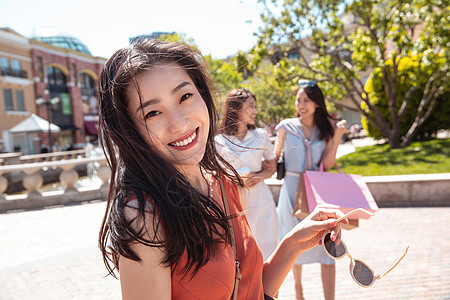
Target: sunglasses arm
353,211
391,268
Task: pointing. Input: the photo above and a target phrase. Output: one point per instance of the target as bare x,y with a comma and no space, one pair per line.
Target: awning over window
69,127
34,124
91,124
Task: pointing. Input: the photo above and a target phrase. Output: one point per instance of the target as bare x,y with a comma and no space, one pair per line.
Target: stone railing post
3,187
69,178
32,182
104,173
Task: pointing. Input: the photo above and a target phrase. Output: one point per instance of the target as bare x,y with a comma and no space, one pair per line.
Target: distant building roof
149,36
7,29
64,41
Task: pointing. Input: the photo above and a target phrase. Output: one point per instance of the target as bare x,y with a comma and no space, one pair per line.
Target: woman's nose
178,121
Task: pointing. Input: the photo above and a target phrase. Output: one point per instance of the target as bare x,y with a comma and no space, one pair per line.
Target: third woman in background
249,150
306,141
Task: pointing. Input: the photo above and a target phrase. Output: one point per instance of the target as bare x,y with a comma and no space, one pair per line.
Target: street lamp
48,102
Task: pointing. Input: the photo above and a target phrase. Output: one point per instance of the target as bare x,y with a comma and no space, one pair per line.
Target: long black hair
190,221
321,116
233,105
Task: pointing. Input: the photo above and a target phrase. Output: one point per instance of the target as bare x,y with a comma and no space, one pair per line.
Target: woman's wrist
293,244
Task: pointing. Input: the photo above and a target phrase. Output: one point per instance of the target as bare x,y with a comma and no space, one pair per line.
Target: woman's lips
186,142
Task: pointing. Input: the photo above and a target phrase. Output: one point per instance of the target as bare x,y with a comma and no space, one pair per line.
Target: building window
87,82
7,94
15,66
293,55
20,103
88,94
40,66
56,76
4,65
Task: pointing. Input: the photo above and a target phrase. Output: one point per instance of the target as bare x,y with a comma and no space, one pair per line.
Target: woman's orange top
215,280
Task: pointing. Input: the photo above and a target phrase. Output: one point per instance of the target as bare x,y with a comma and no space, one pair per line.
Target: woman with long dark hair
306,141
174,226
249,150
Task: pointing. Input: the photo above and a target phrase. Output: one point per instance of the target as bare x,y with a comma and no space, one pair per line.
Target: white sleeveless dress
246,156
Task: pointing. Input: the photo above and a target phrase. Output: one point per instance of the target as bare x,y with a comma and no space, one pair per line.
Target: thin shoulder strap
238,275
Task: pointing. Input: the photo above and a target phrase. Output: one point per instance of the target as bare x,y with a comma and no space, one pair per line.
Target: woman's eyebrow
147,103
154,101
181,85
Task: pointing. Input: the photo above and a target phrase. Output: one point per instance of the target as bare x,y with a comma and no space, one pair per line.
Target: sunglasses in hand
361,272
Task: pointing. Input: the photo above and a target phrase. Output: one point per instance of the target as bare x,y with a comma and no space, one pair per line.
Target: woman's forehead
251,100
158,78
301,94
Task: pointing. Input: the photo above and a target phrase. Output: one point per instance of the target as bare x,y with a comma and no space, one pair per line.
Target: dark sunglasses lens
336,251
362,273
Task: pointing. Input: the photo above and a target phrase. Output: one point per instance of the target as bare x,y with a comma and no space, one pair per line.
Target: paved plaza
52,254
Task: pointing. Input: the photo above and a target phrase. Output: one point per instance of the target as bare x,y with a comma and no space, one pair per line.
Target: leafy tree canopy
225,76
339,43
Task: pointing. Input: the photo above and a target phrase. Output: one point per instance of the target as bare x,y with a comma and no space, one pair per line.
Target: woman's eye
185,97
152,114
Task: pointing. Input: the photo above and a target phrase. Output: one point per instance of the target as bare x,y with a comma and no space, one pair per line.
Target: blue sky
219,28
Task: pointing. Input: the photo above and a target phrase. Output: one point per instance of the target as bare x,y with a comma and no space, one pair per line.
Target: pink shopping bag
338,190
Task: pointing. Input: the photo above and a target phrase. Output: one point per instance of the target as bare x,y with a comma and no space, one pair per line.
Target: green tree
341,42
224,75
179,37
406,71
275,94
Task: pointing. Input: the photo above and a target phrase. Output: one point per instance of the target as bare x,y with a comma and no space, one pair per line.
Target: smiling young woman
249,150
306,141
175,226
172,116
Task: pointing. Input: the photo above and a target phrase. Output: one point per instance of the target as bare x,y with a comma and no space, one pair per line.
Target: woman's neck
307,122
307,127
195,177
242,131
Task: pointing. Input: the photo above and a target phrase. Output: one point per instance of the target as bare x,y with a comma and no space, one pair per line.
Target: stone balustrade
53,156
32,181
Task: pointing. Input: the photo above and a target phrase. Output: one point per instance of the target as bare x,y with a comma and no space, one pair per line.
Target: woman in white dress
249,150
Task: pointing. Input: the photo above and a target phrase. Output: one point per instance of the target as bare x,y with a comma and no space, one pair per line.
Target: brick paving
52,254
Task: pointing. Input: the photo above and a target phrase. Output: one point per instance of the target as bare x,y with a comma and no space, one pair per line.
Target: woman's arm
302,237
148,278
329,153
268,168
279,142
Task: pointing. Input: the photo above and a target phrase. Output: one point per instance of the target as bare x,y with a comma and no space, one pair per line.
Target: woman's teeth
186,141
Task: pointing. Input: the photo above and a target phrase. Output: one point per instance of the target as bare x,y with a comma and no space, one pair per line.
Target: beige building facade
54,77
17,95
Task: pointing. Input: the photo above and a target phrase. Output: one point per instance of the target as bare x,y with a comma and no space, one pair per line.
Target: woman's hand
302,237
268,167
252,179
309,232
341,128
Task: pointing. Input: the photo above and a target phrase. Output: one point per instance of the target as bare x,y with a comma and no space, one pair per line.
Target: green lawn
418,158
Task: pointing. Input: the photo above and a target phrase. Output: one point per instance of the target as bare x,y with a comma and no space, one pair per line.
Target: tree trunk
394,140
